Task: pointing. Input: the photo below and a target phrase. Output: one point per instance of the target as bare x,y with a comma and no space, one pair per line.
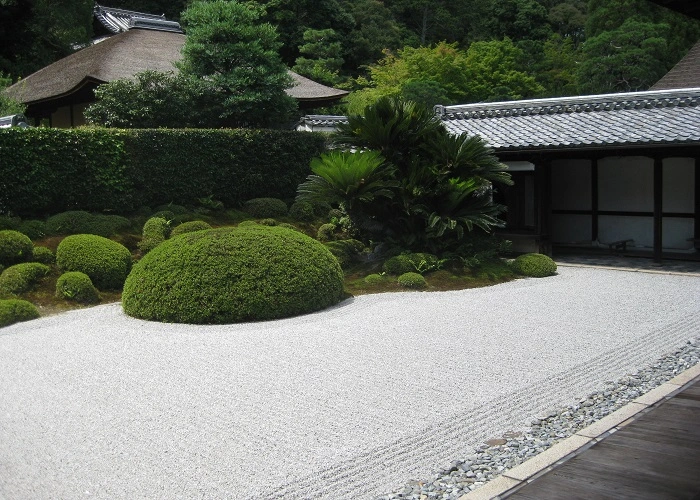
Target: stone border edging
513,479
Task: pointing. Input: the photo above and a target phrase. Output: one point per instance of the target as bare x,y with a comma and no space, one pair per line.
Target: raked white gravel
351,402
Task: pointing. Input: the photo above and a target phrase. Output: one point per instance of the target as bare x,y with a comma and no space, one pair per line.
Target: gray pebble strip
492,458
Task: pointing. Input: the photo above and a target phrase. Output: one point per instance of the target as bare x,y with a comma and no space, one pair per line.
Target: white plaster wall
571,185
679,185
571,229
626,184
614,228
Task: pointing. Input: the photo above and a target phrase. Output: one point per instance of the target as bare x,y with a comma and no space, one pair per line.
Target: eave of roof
309,90
685,74
635,119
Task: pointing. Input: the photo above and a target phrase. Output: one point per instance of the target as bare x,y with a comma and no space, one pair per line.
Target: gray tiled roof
323,120
669,117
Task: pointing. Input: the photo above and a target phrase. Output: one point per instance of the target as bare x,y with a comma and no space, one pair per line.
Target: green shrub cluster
15,247
189,227
43,255
263,208
48,170
21,278
233,274
81,222
106,262
326,232
155,232
374,279
78,287
302,211
34,229
16,310
412,280
535,265
346,251
412,262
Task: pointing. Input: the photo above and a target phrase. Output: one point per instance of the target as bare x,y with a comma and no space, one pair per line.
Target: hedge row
45,171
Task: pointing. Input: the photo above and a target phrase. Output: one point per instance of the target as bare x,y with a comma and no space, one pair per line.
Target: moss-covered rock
15,247
190,227
78,287
263,208
412,280
106,262
21,278
535,265
232,275
16,310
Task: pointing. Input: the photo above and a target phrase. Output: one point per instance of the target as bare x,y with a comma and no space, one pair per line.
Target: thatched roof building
134,43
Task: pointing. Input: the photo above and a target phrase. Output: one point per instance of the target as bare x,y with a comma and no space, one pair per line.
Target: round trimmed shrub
534,265
34,229
233,274
78,287
15,247
262,208
21,278
189,227
326,232
105,261
412,280
43,255
173,209
268,222
374,279
155,232
16,310
81,222
302,211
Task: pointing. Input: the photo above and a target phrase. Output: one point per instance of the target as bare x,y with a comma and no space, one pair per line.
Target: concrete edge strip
517,477
629,269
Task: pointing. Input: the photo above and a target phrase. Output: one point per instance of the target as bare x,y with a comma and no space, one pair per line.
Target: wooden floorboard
656,457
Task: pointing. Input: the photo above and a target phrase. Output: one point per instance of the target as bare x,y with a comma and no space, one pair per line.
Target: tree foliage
238,57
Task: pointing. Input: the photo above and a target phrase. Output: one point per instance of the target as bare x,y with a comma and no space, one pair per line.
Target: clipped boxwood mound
535,265
233,274
21,278
105,261
43,255
412,280
262,208
78,287
189,227
81,222
16,310
15,247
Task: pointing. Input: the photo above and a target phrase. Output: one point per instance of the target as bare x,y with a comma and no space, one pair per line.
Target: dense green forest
444,51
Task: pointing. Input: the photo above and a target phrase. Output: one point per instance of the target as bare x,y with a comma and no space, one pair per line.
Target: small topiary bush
105,261
189,227
155,232
34,229
268,222
412,280
326,232
374,279
21,278
412,262
262,208
15,247
302,211
535,265
233,274
78,287
81,222
43,255
173,209
16,310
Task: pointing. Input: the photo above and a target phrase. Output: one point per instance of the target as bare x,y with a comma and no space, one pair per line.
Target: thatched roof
122,56
685,74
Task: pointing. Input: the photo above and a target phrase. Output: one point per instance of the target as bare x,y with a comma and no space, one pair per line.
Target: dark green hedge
47,171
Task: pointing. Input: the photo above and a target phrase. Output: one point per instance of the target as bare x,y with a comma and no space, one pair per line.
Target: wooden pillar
696,234
658,207
543,205
594,199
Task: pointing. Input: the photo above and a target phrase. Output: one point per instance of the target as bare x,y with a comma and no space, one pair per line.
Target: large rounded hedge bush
16,310
78,287
22,277
233,274
535,265
105,261
15,247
